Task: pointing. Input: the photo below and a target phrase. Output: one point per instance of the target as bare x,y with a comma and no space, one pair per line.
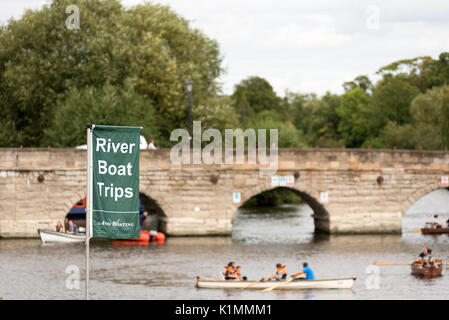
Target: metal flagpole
88,202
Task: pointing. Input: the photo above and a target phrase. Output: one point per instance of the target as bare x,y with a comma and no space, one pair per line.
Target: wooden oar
253,283
282,283
397,264
391,264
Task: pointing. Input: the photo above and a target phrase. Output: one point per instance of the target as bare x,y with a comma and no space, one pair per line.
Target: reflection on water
261,238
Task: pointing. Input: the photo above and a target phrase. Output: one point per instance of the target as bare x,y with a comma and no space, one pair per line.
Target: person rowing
279,274
229,273
429,258
423,254
238,274
307,272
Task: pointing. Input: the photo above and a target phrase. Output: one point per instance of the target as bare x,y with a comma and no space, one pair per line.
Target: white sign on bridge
324,197
445,182
236,197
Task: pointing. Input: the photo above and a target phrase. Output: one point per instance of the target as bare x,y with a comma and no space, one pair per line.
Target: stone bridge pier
350,191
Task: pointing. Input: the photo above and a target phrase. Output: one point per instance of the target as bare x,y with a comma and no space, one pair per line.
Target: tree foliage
149,47
288,135
353,112
129,66
392,97
254,95
104,105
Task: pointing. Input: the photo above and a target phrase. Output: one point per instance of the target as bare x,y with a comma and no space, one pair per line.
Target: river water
261,238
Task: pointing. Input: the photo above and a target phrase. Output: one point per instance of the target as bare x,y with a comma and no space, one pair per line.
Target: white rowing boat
345,283
53,236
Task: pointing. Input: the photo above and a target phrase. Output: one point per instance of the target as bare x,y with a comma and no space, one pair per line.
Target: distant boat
345,283
434,228
53,236
427,270
145,238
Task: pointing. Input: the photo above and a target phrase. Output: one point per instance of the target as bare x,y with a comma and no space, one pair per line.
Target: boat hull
144,239
435,230
427,271
53,236
346,283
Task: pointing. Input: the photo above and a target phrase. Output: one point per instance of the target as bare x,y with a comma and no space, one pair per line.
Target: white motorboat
53,236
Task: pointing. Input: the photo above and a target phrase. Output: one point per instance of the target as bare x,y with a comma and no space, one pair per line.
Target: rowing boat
345,283
434,228
53,236
427,270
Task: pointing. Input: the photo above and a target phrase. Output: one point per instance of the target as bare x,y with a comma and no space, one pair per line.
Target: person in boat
72,228
151,145
429,259
423,254
143,219
447,224
280,273
238,274
59,227
229,273
153,235
435,222
307,272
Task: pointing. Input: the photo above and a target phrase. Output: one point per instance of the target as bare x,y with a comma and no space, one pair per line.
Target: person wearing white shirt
151,145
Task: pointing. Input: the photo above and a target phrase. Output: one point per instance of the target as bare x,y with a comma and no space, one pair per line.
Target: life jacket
229,270
281,269
238,273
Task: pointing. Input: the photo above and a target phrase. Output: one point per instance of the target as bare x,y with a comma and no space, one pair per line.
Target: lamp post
189,86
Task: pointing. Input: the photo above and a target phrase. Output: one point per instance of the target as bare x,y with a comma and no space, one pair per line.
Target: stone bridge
349,190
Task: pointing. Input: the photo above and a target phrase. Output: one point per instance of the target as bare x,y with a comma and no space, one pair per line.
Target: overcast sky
306,46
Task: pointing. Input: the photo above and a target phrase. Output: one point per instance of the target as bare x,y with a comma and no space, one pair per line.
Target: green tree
444,120
355,120
431,110
418,71
423,72
362,82
217,113
440,71
254,95
294,108
322,125
288,135
104,105
392,97
9,136
429,126
148,47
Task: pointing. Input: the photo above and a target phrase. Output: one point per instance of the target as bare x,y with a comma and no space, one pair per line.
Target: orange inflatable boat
145,238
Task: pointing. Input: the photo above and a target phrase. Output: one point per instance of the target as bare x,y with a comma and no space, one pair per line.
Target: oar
416,231
282,283
391,264
397,264
253,283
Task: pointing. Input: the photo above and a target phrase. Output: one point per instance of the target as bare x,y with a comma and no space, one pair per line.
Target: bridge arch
320,213
419,193
71,200
155,208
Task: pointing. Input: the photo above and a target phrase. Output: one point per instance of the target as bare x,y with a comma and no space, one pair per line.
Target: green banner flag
115,183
